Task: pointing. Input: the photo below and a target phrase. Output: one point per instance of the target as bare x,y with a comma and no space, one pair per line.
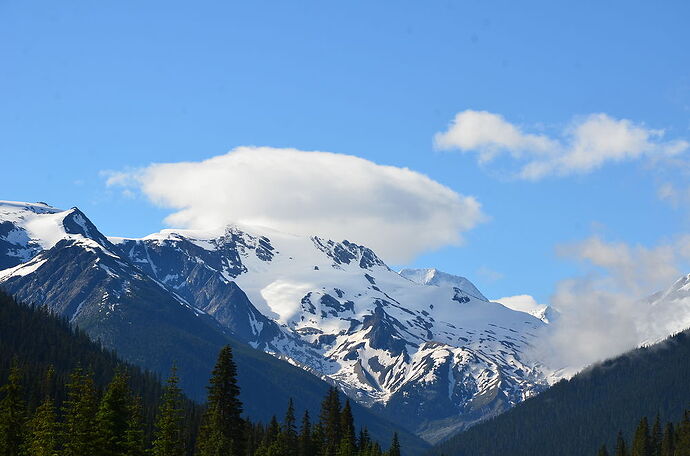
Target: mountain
60,260
425,349
422,348
575,417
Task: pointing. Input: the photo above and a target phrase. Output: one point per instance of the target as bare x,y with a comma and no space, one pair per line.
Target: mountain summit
421,347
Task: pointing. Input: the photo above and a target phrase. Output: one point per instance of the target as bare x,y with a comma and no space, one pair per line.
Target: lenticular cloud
398,212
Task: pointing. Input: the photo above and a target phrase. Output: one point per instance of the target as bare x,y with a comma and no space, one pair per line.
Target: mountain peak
432,276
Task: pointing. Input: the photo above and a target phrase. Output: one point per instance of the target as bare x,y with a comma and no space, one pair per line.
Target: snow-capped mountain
423,348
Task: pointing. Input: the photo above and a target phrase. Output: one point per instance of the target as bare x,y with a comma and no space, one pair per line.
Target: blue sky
88,87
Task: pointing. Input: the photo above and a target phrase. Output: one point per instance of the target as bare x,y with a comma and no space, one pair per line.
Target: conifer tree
289,431
655,437
603,451
80,415
364,439
12,414
395,446
114,415
222,430
134,435
668,440
621,448
682,444
306,447
330,422
640,444
44,429
347,428
169,433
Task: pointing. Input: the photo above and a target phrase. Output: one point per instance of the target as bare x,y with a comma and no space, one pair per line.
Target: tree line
657,440
111,423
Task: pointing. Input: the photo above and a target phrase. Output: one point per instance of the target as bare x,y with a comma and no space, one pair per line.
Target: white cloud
585,145
607,312
396,211
674,195
522,303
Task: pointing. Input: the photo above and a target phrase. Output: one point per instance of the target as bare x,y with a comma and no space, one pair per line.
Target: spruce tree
347,426
668,440
222,429
655,437
364,439
12,414
289,431
134,435
306,447
395,446
113,418
682,444
603,451
330,422
621,448
44,429
80,415
168,434
640,444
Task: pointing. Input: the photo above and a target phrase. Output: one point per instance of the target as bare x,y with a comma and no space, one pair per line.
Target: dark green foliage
91,403
673,442
640,443
114,415
169,432
80,416
330,423
395,446
222,431
668,440
603,451
306,443
12,414
574,417
621,447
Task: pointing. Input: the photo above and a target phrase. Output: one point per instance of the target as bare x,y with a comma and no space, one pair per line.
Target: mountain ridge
432,357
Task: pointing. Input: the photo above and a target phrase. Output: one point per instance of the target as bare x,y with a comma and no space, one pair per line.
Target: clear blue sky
91,86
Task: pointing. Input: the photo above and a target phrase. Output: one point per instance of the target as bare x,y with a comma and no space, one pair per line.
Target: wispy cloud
398,212
586,144
606,311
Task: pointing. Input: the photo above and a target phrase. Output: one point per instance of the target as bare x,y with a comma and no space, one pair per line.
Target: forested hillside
575,417
654,439
62,393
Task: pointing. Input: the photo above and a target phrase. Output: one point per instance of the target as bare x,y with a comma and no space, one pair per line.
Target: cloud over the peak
398,212
609,309
585,145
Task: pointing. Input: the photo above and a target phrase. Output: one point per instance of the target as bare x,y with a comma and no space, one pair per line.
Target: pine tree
682,444
289,431
347,427
640,444
44,429
134,435
169,433
621,448
395,446
113,418
222,430
655,437
603,451
12,414
668,440
330,422
306,447
364,439
80,415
